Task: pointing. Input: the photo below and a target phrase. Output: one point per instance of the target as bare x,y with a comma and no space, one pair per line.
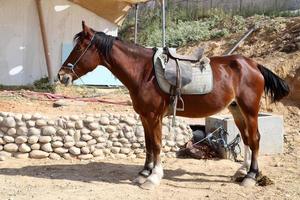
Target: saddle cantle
197,55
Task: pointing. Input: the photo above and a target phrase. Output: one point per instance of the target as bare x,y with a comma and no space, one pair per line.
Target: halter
72,66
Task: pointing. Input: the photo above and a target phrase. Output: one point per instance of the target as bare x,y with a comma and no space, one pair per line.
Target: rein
72,66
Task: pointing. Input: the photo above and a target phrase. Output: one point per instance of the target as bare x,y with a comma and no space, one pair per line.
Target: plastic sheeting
113,10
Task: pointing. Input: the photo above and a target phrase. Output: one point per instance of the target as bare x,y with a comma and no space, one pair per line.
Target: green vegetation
182,27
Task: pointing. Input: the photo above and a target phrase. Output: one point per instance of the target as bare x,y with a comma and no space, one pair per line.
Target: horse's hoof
139,180
148,185
248,182
239,174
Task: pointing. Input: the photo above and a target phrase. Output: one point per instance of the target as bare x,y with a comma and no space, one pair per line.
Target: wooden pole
45,41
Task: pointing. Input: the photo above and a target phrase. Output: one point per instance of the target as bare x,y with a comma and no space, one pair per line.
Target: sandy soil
184,178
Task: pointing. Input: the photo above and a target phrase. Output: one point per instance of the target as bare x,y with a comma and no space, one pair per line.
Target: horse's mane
104,43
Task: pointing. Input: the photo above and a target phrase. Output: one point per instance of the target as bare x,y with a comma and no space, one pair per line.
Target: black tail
274,85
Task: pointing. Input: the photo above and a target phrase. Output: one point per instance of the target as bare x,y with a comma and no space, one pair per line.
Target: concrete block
270,127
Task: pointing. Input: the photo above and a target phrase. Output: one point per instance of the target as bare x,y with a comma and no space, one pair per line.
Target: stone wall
82,137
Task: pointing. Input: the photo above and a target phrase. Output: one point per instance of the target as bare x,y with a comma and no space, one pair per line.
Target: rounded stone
93,126
54,156
171,143
9,122
60,150
104,121
45,139
101,139
179,137
5,154
98,152
92,142
139,132
1,147
36,116
26,117
33,139
8,139
100,145
141,139
57,138
74,150
96,133
24,148
110,129
51,123
37,154
117,144
30,123
47,147
74,117
128,134
11,131
71,132
125,150
79,124
85,156
36,146
80,144
61,132
34,131
68,156
70,124
48,131
86,137
114,122
130,121
77,136
41,122
115,150
22,130
57,144
68,138
85,150
11,147
2,141
21,124
123,140
85,131
21,139
19,155
89,120
69,144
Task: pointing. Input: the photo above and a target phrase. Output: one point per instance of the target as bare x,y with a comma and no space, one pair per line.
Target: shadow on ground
105,172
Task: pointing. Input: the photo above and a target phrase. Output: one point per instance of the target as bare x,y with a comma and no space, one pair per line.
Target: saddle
179,73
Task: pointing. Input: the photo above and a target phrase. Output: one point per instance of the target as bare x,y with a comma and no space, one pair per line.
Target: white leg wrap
156,175
247,158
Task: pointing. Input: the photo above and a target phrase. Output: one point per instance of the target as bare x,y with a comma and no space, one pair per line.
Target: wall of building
22,59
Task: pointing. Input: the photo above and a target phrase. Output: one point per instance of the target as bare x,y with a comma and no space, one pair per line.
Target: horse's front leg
148,166
154,137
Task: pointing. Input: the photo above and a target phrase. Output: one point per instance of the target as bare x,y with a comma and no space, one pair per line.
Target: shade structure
113,10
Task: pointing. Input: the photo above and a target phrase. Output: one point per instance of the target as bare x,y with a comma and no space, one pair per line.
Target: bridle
71,66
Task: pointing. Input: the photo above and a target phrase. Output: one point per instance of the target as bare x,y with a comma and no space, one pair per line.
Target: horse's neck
129,65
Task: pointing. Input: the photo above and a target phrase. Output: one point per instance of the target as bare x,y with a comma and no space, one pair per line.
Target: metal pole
163,23
136,23
45,42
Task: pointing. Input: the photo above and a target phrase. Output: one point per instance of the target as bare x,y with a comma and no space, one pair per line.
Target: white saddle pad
202,80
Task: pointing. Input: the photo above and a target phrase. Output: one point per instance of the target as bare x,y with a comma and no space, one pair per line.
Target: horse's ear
85,28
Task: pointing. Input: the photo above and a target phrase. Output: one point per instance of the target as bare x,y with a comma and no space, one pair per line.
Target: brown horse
239,83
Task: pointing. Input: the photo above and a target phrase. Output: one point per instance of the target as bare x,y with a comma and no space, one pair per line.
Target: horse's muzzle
65,79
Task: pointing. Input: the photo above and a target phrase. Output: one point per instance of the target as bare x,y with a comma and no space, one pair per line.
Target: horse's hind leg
148,166
240,123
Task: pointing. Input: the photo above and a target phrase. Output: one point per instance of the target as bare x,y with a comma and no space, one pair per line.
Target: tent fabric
113,10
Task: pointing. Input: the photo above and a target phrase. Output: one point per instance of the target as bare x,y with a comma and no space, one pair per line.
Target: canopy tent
113,10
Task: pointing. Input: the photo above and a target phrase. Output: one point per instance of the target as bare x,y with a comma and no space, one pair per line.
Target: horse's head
83,58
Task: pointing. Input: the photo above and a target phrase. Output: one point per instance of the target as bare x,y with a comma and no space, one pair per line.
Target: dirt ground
184,178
